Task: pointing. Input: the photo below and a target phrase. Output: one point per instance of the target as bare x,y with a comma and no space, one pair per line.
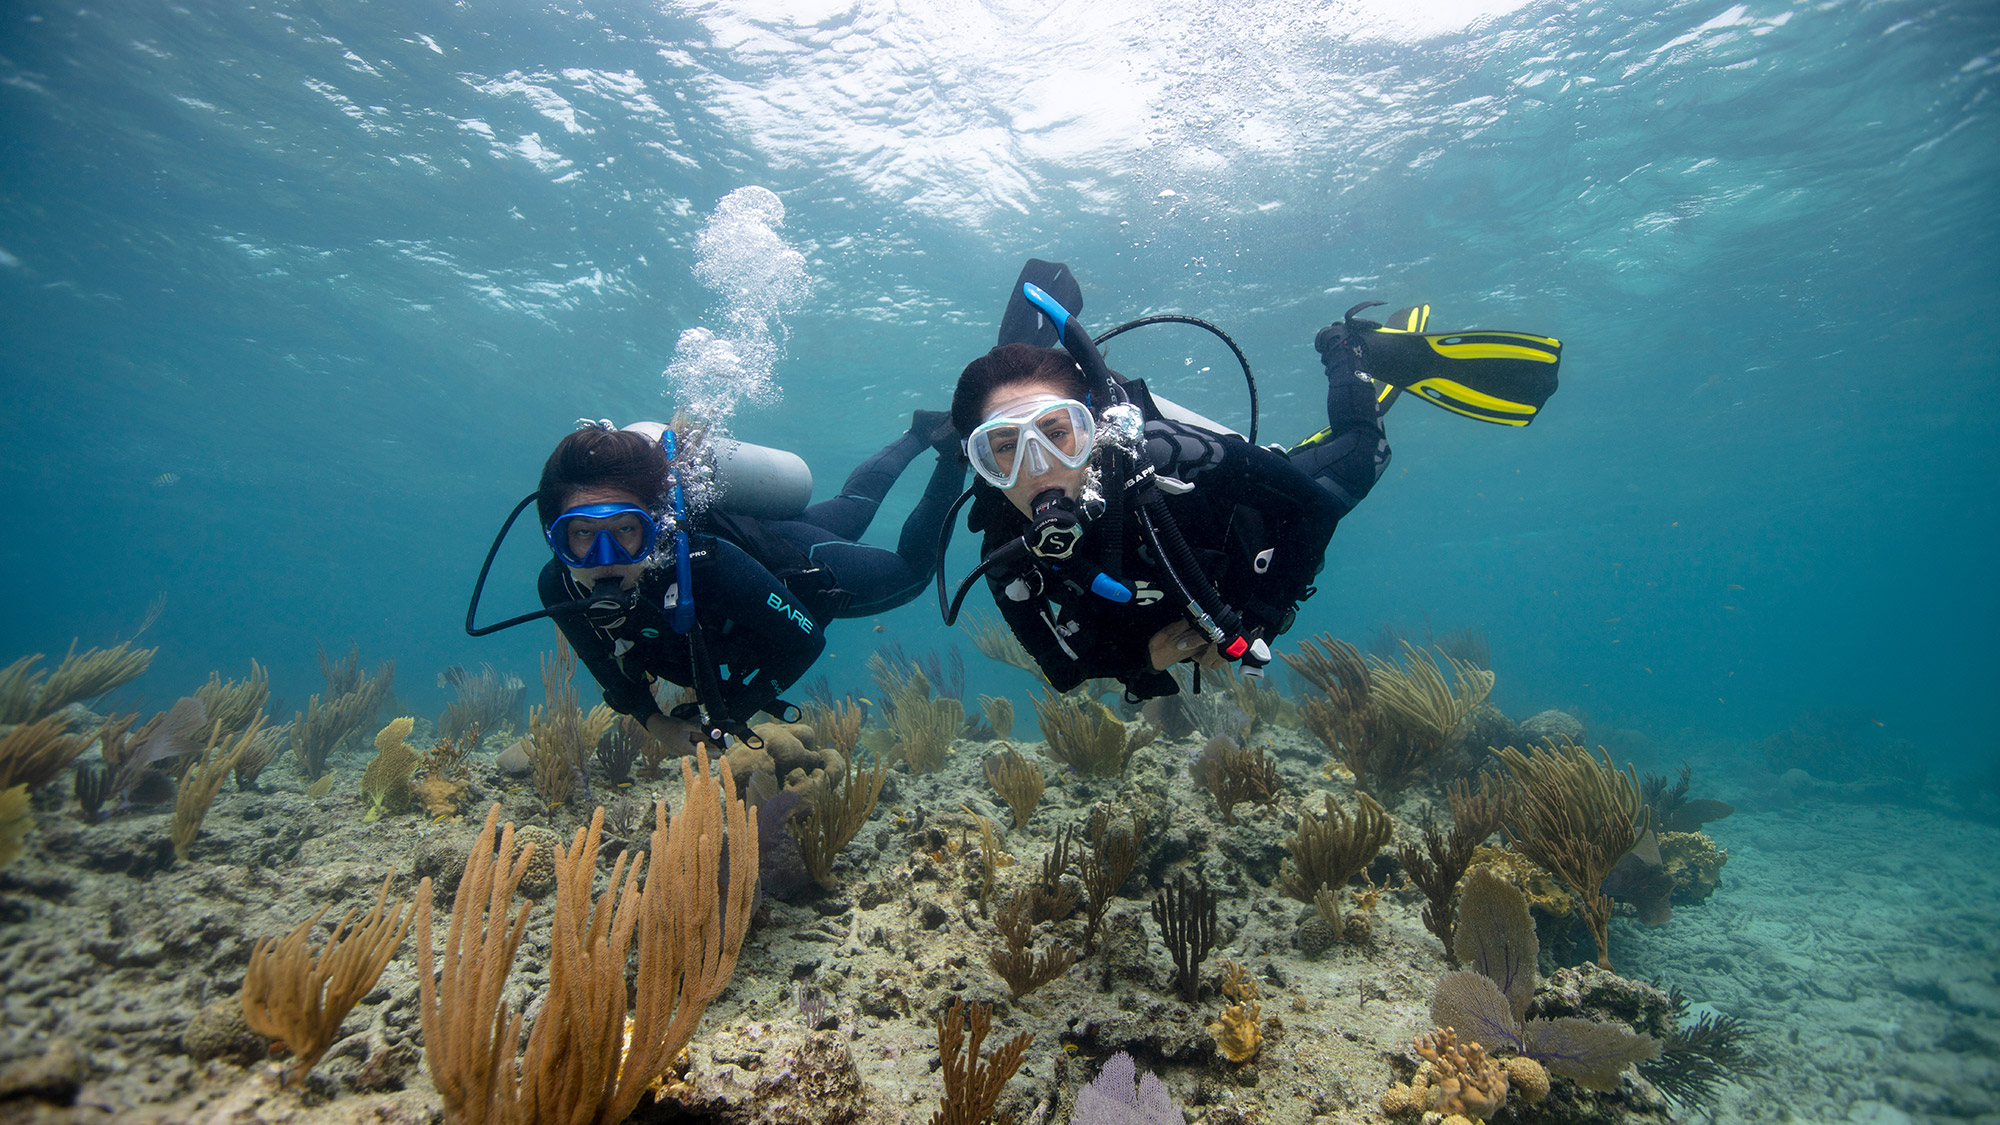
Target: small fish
1734,586
881,629
166,480
1878,722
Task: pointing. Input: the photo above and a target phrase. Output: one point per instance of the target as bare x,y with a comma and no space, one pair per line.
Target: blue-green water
348,273
295,298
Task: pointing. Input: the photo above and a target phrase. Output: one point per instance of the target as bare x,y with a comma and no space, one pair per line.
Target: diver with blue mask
730,598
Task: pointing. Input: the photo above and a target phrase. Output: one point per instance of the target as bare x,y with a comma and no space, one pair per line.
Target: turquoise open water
295,297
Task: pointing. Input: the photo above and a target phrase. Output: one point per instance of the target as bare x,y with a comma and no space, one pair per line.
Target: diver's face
625,528
1031,484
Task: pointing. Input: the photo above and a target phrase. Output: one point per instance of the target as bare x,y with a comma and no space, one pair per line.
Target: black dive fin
1492,375
1024,323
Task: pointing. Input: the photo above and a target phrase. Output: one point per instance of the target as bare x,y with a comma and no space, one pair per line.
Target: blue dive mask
594,535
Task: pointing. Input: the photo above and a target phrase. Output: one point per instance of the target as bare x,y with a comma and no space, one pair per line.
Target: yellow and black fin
1493,375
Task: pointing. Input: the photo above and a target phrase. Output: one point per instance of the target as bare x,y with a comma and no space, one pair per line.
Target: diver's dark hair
595,458
1005,365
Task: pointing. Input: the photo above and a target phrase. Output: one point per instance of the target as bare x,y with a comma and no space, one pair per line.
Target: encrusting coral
1545,894
1236,1030
1695,864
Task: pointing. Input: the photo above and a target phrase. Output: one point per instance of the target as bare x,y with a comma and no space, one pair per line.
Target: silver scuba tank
751,480
1168,408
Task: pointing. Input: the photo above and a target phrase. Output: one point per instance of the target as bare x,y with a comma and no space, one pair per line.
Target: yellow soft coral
1465,1080
1236,1032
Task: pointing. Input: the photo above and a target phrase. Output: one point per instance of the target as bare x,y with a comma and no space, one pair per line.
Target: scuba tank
750,480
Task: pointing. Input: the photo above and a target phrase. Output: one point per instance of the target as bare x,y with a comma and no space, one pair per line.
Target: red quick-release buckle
1235,649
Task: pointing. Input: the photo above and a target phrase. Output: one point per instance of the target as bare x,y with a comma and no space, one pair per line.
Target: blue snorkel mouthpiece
1050,307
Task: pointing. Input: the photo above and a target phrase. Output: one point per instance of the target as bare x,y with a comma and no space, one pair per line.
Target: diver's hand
1182,641
678,735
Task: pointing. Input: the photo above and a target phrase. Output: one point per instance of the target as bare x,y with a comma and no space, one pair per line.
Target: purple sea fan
1113,1100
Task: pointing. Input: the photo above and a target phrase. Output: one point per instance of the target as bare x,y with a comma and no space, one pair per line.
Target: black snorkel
607,599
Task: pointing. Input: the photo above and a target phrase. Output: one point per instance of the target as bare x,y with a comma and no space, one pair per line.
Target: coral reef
1330,849
972,1084
1233,774
16,821
1236,1030
1015,960
1185,914
302,1000
1086,736
1018,781
1695,864
1492,1003
1436,867
1390,724
837,813
385,784
26,696
1576,817
201,782
1545,895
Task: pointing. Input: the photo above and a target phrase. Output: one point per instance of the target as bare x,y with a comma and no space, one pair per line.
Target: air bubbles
757,279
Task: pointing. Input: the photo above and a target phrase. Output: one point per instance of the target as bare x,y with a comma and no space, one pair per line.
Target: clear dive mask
594,535
1037,435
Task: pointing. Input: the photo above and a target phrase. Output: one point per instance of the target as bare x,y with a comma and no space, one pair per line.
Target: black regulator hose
1242,360
472,607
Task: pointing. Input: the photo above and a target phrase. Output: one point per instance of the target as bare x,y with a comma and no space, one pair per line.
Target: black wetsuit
1246,500
763,591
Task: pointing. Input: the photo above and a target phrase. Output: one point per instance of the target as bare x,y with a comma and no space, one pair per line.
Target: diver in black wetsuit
1124,534
762,590
1257,523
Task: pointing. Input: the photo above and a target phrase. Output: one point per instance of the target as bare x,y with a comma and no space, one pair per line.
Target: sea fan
1113,1100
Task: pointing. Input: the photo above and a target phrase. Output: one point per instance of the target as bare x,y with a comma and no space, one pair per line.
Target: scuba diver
731,598
1124,534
